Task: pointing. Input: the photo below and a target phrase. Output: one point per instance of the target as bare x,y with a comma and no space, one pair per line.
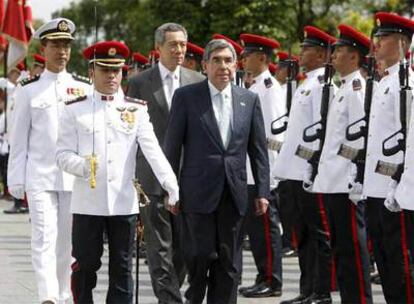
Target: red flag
17,27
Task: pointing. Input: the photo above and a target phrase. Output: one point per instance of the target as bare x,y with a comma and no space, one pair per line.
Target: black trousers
287,212
392,238
313,241
212,248
265,240
349,245
87,249
165,260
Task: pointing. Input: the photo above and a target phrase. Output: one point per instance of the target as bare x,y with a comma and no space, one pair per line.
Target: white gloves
171,187
355,188
390,203
307,183
17,191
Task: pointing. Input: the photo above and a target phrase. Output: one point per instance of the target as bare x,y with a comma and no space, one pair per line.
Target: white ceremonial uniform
346,108
116,142
404,191
305,110
8,116
39,102
384,121
273,106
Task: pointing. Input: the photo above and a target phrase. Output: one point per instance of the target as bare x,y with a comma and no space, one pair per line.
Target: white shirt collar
164,71
392,69
214,91
49,74
350,77
104,97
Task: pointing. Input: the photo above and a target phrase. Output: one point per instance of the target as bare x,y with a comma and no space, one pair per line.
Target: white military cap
59,28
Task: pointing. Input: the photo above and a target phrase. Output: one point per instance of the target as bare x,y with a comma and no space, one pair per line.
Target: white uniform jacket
346,108
305,110
273,106
115,128
38,105
384,121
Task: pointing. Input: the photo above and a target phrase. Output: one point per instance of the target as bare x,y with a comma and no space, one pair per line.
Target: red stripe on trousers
268,242
75,267
407,272
325,226
358,262
294,239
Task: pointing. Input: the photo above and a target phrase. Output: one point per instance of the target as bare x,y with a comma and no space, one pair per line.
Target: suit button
110,161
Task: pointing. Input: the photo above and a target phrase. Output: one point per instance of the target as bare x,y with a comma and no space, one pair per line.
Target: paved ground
17,283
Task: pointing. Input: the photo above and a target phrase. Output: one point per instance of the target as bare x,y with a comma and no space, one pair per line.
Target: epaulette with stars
29,79
268,83
81,78
80,98
136,101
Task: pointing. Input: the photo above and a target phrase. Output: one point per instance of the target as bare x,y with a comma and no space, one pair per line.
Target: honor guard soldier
98,140
345,212
389,230
193,57
264,231
139,64
32,165
39,64
311,230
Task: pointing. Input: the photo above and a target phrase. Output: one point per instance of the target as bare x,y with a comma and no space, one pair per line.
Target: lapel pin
243,104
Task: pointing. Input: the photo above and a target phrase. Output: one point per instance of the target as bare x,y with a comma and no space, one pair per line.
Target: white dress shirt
346,108
170,81
273,104
37,111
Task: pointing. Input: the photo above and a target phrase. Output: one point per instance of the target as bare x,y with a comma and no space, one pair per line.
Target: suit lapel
207,115
157,89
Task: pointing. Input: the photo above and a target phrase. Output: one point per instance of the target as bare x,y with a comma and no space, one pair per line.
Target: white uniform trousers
51,223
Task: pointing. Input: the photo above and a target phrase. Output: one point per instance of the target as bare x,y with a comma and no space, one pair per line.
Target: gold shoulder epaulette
29,79
81,78
80,98
134,100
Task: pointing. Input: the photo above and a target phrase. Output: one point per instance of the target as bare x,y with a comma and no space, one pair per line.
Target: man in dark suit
214,125
156,86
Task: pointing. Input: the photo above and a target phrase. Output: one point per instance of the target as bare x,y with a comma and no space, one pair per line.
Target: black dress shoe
246,288
262,290
300,299
321,299
16,210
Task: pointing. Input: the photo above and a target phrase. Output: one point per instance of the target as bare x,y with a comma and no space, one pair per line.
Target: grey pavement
18,285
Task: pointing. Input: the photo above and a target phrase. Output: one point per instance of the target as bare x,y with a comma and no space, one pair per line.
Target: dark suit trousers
349,245
87,249
288,213
313,241
165,261
212,247
392,238
265,241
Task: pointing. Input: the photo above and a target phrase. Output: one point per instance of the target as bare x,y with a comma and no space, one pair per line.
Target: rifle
292,68
313,156
390,169
357,156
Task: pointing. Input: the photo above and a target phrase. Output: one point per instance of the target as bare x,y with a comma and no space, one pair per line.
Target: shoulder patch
136,101
321,79
268,83
356,85
81,78
80,98
29,80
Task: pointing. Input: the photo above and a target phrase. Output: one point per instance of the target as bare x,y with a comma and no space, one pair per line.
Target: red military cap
351,37
388,23
256,43
107,54
20,66
139,58
237,47
154,55
316,37
283,56
194,51
39,60
273,68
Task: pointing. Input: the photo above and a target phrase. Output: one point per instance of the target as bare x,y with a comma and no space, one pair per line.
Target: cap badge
63,26
305,34
378,22
112,51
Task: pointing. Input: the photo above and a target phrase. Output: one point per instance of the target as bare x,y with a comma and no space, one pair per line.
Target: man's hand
174,209
261,205
17,191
